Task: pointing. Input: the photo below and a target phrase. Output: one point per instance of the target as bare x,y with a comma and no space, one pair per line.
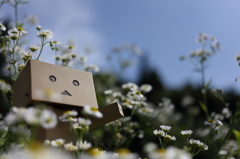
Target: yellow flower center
20,29
94,109
123,151
210,121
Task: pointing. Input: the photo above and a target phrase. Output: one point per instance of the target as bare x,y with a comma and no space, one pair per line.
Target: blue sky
165,29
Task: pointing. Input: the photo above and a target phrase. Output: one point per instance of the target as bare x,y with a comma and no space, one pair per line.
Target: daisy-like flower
213,123
32,116
34,48
70,147
169,137
83,145
2,27
70,119
26,55
39,27
125,154
186,132
84,122
83,59
69,113
159,133
76,126
146,111
21,66
92,68
107,92
130,86
57,142
145,88
46,34
48,119
199,144
165,128
92,111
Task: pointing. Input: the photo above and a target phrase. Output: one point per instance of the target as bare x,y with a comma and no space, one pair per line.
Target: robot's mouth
66,93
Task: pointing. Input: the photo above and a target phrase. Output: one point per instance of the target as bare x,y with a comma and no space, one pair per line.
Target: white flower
108,92
165,128
84,122
130,86
69,113
198,144
186,132
2,27
39,27
124,154
92,111
70,119
70,147
4,86
213,123
169,137
159,133
92,68
57,143
83,145
48,119
173,153
32,116
76,126
145,88
46,34
34,48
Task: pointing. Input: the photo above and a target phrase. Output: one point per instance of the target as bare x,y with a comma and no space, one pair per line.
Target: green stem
161,142
229,131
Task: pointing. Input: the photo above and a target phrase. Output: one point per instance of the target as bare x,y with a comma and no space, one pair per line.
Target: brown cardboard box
61,89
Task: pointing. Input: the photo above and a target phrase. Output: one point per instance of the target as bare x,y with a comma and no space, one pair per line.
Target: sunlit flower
2,27
169,153
107,92
46,34
48,119
213,123
70,147
159,133
39,27
84,122
198,143
57,142
169,137
186,132
76,126
92,68
165,128
69,113
130,86
145,88
124,154
83,145
92,111
32,116
4,86
34,48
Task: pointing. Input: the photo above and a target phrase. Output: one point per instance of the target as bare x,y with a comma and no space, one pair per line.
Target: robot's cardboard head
44,82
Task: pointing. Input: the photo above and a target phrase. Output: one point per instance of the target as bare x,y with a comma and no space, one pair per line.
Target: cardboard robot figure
67,89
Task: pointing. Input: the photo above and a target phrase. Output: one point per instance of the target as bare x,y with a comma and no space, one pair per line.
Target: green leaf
203,106
237,135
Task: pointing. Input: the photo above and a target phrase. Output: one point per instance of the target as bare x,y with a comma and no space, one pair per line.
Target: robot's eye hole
75,83
52,78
